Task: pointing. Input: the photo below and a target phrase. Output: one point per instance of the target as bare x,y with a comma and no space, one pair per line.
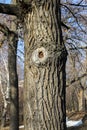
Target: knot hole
40,54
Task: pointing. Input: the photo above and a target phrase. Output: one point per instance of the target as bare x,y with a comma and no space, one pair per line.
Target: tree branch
4,29
85,47
81,5
75,80
64,25
10,9
76,4
74,17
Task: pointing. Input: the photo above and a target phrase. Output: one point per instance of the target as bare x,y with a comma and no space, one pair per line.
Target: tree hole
40,54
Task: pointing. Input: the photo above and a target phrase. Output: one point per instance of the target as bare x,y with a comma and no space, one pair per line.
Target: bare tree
13,79
5,92
74,15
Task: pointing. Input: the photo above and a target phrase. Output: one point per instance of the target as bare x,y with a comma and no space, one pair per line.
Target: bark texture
45,59
13,79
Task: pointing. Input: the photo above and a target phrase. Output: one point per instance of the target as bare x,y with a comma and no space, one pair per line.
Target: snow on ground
70,123
21,126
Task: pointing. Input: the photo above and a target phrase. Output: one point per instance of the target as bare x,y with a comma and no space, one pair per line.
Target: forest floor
71,116
7,128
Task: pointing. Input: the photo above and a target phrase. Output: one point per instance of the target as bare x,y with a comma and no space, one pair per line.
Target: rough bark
45,59
13,80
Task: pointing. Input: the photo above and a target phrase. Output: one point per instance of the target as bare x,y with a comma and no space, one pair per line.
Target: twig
73,16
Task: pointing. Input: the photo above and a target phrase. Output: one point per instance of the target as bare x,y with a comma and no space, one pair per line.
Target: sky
5,1
8,1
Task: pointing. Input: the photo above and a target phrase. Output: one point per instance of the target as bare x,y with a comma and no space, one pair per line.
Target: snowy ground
21,126
70,123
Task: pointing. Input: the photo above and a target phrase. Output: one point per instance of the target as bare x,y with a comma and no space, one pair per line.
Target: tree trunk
3,122
13,79
45,76
3,119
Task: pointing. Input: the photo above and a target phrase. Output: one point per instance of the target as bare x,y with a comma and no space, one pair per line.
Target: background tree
13,79
10,22
74,15
4,74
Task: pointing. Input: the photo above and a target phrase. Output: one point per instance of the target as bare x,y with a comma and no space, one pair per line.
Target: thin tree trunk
13,79
45,76
3,119
14,106
5,93
3,122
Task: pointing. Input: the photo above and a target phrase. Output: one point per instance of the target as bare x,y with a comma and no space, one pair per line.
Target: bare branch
85,47
4,29
79,4
74,17
64,25
77,79
74,4
10,9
